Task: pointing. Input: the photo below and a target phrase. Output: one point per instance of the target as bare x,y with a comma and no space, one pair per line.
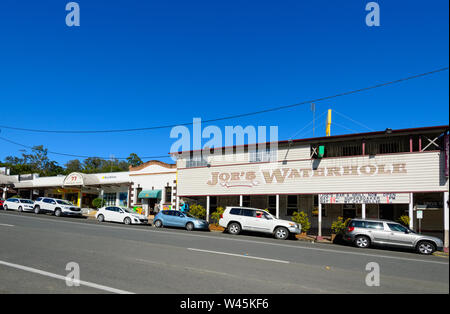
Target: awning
150,194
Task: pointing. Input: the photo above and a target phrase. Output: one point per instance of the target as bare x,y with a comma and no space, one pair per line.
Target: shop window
291,204
110,199
123,199
246,200
272,200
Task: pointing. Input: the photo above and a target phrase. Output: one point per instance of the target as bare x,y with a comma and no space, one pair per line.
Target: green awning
150,194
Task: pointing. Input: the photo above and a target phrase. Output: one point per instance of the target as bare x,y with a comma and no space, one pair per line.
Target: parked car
364,233
237,219
175,218
120,214
19,204
56,206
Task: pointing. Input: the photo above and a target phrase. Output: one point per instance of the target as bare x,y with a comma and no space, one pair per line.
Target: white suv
236,219
56,206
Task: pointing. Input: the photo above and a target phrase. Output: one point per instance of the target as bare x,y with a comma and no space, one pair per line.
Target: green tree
134,160
73,166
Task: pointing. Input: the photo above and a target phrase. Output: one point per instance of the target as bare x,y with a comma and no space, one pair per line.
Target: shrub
338,226
404,220
216,215
302,219
198,211
98,202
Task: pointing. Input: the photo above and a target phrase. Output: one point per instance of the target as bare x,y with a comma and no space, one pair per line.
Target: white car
236,219
56,206
120,214
20,204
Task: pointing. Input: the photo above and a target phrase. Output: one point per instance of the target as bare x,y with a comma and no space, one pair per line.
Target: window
272,204
262,155
235,211
110,199
168,191
397,227
248,212
291,204
196,161
374,225
246,200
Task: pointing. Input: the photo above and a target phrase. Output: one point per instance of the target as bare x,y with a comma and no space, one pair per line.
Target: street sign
419,214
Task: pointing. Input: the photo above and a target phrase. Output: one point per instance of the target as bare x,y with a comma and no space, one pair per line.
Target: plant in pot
302,219
98,203
198,211
338,228
215,216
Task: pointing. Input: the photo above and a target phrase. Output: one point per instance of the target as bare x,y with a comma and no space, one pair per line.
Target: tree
134,160
73,166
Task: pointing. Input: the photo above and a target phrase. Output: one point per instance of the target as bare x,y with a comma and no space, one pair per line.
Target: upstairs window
258,155
196,161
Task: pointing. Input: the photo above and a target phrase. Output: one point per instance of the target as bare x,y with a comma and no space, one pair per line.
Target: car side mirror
407,231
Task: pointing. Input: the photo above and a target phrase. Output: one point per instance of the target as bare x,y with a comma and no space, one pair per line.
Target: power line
348,118
238,115
80,156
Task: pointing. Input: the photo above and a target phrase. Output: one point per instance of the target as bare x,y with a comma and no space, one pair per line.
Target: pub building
383,175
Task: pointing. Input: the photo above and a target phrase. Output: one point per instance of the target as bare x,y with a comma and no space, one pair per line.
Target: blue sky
138,64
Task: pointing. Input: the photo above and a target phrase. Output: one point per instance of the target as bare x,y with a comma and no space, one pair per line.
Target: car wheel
189,226
20,209
281,233
158,224
101,218
426,247
362,242
234,228
127,221
5,207
37,210
57,212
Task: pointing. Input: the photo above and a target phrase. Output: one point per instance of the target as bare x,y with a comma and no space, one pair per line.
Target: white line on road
45,273
298,247
240,255
6,225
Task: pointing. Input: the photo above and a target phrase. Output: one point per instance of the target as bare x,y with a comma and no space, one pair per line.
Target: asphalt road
114,258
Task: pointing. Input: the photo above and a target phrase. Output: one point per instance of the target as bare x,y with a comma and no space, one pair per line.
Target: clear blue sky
140,63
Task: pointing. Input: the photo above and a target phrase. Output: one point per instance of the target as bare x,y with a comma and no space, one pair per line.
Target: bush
404,220
216,215
338,226
302,219
98,202
198,211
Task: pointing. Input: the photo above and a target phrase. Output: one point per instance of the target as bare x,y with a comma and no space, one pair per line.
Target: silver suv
366,232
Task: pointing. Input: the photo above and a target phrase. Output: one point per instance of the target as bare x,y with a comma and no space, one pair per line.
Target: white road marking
6,225
240,255
166,232
45,273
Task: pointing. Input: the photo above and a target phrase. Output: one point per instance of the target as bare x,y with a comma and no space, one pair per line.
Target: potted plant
338,227
302,219
215,216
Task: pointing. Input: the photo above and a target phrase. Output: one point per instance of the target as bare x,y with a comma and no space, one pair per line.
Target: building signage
73,179
365,198
282,175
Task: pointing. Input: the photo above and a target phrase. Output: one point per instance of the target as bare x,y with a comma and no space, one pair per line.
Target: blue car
175,218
